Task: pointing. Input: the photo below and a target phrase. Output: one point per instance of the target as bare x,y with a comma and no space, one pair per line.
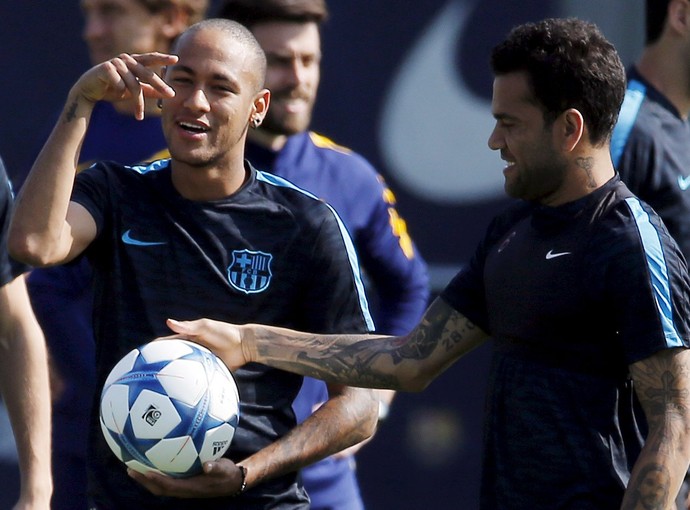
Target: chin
290,125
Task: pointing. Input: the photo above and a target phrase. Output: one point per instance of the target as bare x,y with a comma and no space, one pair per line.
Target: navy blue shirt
571,295
269,253
651,151
395,273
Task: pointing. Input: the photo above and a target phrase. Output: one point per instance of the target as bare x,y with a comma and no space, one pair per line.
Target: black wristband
243,486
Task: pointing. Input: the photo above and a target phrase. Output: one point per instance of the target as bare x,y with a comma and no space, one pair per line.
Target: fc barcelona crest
250,271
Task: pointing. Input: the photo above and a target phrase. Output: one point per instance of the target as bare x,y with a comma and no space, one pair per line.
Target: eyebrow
503,116
216,76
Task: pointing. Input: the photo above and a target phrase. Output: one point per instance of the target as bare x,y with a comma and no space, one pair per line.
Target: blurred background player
23,375
396,276
62,295
651,141
650,146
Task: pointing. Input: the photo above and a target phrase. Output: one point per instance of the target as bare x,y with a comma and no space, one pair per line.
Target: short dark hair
655,17
570,65
250,12
238,32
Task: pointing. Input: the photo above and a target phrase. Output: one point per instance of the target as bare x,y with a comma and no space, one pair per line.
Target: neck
586,172
213,182
266,139
667,69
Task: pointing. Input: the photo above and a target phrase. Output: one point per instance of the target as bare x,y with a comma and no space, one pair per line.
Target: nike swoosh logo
128,239
408,123
683,182
551,255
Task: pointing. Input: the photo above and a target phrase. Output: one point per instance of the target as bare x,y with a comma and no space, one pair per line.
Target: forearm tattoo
71,113
650,489
361,361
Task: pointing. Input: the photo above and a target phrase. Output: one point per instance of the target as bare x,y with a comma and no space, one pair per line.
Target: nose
495,142
94,27
197,100
296,72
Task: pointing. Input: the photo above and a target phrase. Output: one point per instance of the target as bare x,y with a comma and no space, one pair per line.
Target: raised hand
125,77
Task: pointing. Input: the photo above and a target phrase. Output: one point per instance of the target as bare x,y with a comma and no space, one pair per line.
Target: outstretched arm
25,389
46,228
407,363
662,384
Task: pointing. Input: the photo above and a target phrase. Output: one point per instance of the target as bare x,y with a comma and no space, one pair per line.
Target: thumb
182,327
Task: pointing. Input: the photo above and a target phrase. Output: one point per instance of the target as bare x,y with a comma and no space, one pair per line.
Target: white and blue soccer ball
169,406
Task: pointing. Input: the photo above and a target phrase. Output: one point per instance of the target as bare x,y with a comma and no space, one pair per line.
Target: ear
175,20
679,16
262,99
570,126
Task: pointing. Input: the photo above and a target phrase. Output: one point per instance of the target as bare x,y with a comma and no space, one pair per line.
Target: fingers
128,76
140,80
222,338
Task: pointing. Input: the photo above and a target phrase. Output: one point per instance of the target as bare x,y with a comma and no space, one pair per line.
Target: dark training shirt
269,253
571,295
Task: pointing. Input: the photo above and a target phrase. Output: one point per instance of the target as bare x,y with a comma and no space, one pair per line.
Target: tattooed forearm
410,361
353,364
649,489
663,387
665,394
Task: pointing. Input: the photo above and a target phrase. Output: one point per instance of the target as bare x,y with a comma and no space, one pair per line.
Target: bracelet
243,485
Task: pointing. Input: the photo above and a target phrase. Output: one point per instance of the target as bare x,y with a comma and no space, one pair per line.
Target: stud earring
256,122
159,104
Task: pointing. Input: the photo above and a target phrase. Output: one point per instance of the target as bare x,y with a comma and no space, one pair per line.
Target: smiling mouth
193,128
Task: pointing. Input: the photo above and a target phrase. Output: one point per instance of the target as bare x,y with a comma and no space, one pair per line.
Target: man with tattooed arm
578,284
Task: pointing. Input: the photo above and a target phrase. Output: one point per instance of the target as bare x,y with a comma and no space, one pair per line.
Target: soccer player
651,142
62,295
578,283
289,33
23,372
200,233
650,146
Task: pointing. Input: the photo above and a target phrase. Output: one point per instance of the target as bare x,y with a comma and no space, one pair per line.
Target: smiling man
62,295
179,235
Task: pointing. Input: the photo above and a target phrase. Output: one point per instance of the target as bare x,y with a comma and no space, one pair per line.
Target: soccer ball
169,406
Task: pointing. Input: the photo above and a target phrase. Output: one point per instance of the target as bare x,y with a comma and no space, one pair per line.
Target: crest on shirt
250,271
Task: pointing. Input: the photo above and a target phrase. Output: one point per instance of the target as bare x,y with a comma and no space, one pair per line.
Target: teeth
193,127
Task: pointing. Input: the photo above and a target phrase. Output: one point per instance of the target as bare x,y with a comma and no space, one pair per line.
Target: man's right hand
126,77
223,338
